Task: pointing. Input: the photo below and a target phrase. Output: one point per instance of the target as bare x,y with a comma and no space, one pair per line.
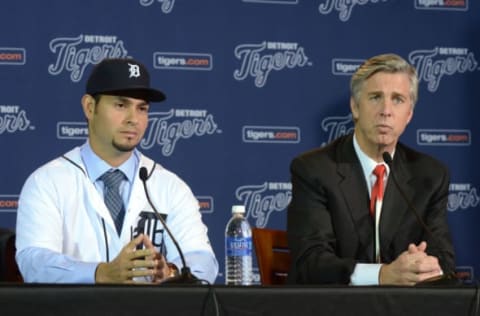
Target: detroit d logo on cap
134,70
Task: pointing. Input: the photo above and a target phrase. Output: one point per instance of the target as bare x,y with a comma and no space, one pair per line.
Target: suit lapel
355,193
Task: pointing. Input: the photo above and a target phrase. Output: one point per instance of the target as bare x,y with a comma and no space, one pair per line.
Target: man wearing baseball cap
85,217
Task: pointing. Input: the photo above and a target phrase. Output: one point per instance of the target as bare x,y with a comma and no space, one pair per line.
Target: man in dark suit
333,236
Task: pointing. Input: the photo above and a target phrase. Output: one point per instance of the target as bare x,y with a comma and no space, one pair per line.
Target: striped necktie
111,195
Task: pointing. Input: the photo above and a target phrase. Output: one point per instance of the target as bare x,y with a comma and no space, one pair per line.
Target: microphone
445,279
185,276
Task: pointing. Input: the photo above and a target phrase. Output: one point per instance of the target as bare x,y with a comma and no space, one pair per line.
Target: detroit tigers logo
134,71
151,226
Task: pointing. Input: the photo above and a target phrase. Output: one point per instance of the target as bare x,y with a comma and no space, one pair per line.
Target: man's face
383,111
116,124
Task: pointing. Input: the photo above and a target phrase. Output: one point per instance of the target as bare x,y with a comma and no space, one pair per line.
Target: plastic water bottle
238,249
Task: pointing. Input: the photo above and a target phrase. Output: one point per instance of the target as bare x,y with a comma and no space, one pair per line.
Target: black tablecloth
22,299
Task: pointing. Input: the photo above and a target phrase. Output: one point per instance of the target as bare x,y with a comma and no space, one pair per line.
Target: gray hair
389,63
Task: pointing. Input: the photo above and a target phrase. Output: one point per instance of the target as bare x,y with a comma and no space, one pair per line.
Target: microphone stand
444,279
185,276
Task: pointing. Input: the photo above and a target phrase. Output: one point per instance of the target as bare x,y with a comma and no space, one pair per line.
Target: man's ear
354,108
88,105
410,115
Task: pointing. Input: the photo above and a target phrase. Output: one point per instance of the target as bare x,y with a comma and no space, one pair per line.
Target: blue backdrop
250,85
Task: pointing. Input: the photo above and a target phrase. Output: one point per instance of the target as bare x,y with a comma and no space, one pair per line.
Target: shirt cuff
85,272
365,274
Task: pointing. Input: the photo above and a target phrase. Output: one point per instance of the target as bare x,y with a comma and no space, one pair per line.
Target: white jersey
63,224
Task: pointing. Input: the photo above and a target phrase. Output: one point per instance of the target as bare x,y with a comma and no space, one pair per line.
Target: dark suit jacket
329,226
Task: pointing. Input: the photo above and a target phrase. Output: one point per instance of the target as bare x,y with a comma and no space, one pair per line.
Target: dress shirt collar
368,164
95,166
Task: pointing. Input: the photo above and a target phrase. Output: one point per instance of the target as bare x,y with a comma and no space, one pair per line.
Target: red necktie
377,190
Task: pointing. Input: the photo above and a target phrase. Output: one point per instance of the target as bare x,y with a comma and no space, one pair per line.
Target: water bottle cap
238,209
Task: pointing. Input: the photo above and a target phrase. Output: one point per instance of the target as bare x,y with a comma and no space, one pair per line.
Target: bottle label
239,246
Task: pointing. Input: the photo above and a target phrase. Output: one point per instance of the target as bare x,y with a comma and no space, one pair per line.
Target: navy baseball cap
123,77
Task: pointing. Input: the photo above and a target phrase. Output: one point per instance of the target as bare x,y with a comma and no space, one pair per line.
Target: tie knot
112,179
379,171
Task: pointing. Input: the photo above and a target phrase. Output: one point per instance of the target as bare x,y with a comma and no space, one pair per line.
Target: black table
23,299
